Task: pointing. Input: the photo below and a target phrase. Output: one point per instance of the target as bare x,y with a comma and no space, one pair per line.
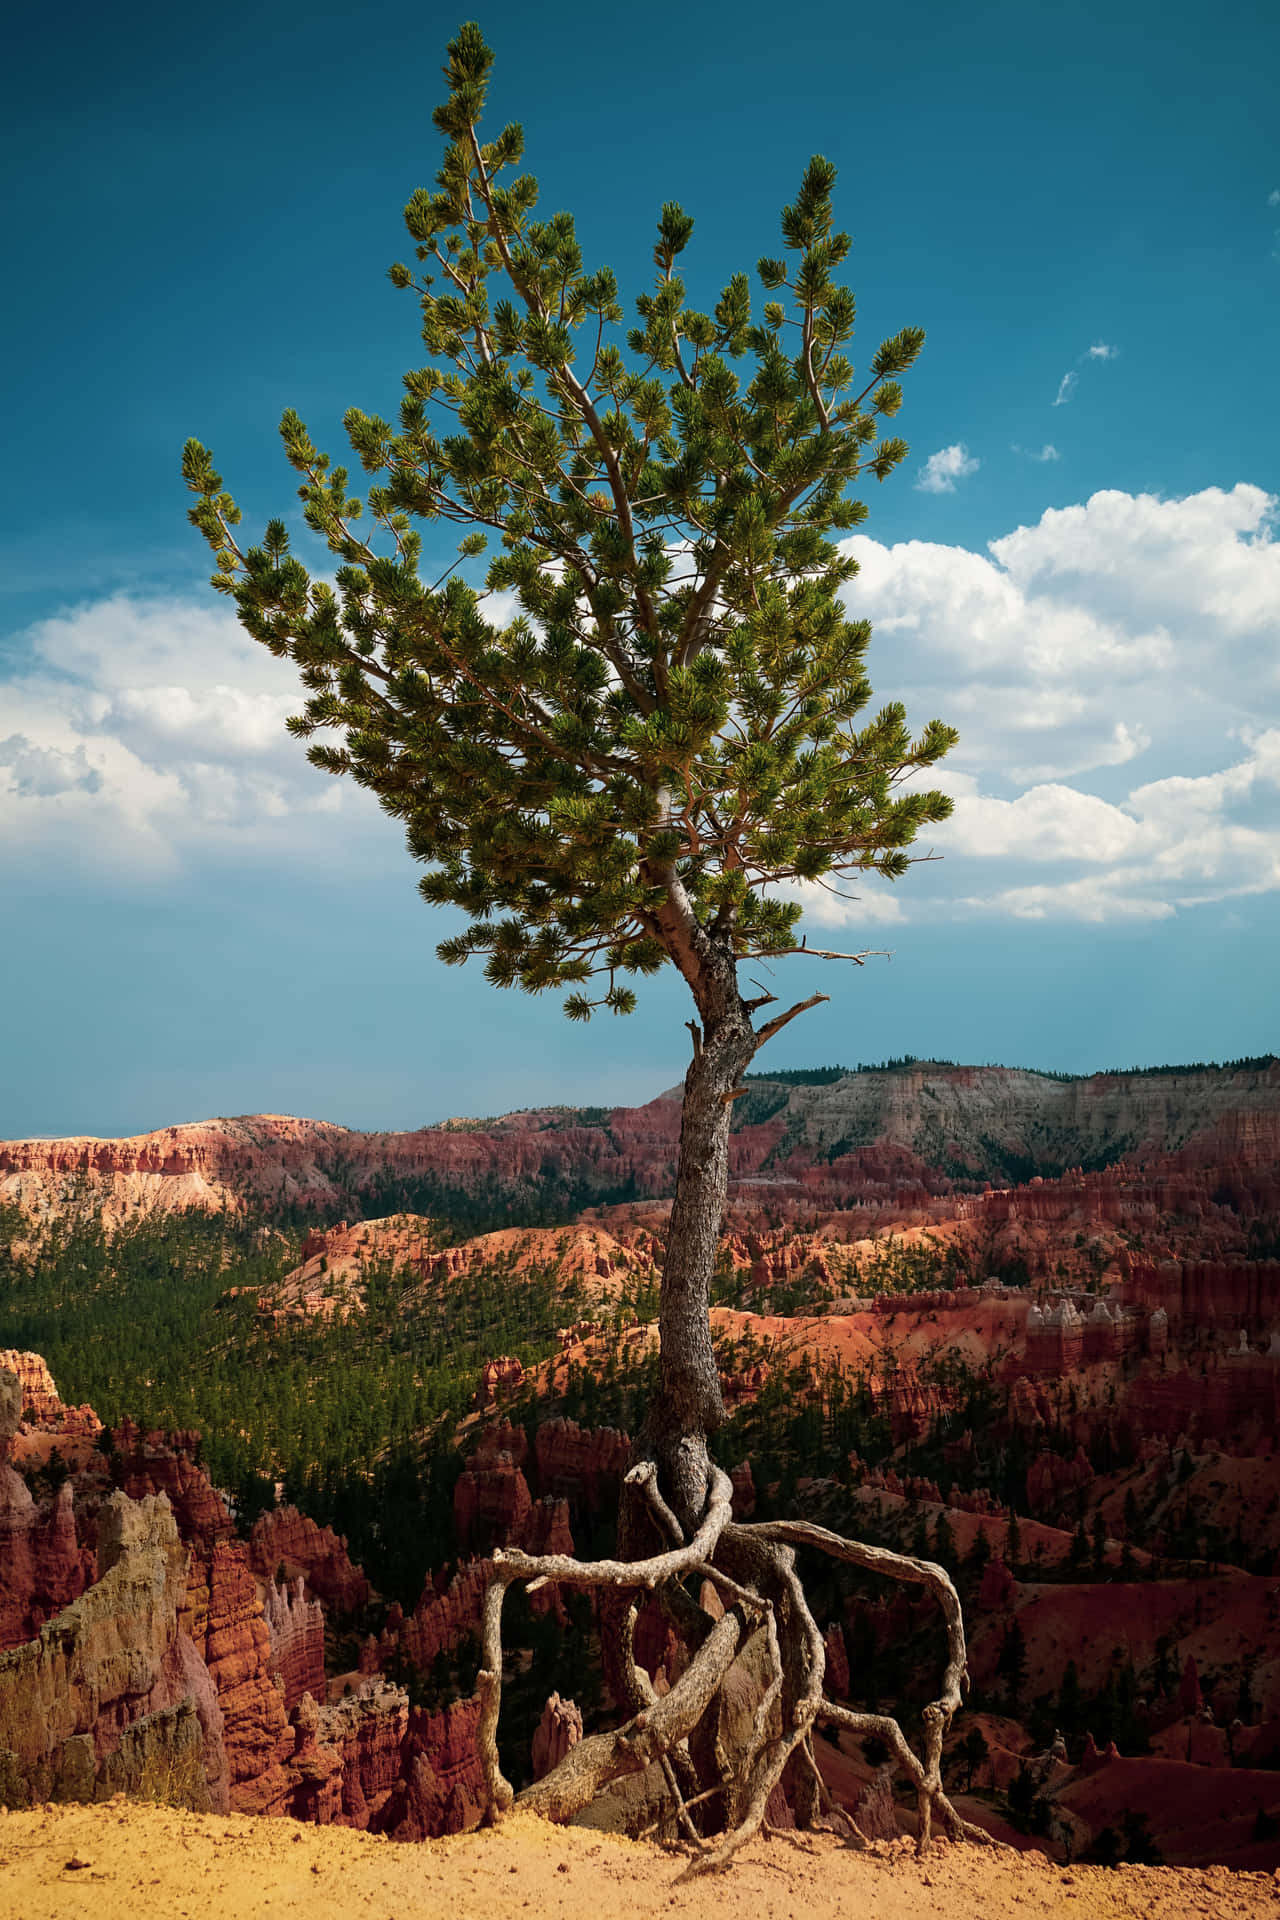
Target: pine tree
1013,1544
1011,1664
666,742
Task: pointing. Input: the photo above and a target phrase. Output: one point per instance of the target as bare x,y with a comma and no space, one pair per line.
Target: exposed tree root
752,1567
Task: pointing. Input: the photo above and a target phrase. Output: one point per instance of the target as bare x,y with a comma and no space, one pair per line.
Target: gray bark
688,1406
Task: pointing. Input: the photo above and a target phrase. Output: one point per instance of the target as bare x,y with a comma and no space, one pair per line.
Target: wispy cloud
1100,350
1273,198
942,469
1047,452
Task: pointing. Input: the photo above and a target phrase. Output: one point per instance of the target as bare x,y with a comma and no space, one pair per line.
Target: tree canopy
649,722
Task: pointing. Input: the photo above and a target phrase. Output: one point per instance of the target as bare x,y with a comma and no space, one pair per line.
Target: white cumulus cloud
150,733
942,469
1128,632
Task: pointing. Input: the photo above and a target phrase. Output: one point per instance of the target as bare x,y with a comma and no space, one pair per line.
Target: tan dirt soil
135,1862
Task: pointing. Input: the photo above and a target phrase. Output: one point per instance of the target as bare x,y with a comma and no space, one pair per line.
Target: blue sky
1078,565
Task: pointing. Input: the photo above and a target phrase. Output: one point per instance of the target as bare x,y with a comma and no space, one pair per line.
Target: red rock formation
743,1383
1050,1478
370,1730
1206,1744
875,1809
559,1729
499,1377
224,1616
10,1411
284,1537
1230,1397
444,1614
40,1401
1180,1132
112,1689
161,1462
491,1504
500,1441
296,1626
582,1464
353,1753
1206,1294
441,1784
44,1425
42,1567
314,1790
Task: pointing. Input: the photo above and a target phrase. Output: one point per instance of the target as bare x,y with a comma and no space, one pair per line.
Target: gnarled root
752,1568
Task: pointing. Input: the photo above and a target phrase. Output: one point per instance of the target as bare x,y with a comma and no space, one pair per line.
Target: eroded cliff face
111,1694
43,1567
283,1537
912,1134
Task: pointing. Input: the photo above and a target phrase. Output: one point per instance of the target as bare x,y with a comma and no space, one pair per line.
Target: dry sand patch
130,1862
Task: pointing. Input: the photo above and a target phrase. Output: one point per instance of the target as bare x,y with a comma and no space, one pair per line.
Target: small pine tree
1071,1706
1013,1544
1099,1541
972,1754
1012,1663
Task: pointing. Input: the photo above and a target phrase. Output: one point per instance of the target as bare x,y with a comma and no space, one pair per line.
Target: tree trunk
688,1406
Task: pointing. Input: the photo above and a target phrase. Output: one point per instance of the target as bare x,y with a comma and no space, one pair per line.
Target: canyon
1049,1310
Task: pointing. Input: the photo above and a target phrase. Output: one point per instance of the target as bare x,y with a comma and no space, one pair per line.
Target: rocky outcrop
499,1379
44,1425
348,1757
559,1729
296,1627
224,1616
144,1463
1204,1294
1050,1478
39,1396
910,1134
368,1729
111,1694
42,1567
583,1465
491,1505
283,1537
10,1410
441,1788
837,1677
875,1809
445,1613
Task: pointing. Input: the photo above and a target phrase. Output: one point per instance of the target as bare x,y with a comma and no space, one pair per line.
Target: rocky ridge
925,1130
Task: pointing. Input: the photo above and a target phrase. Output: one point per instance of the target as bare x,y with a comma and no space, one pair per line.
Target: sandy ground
128,1862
